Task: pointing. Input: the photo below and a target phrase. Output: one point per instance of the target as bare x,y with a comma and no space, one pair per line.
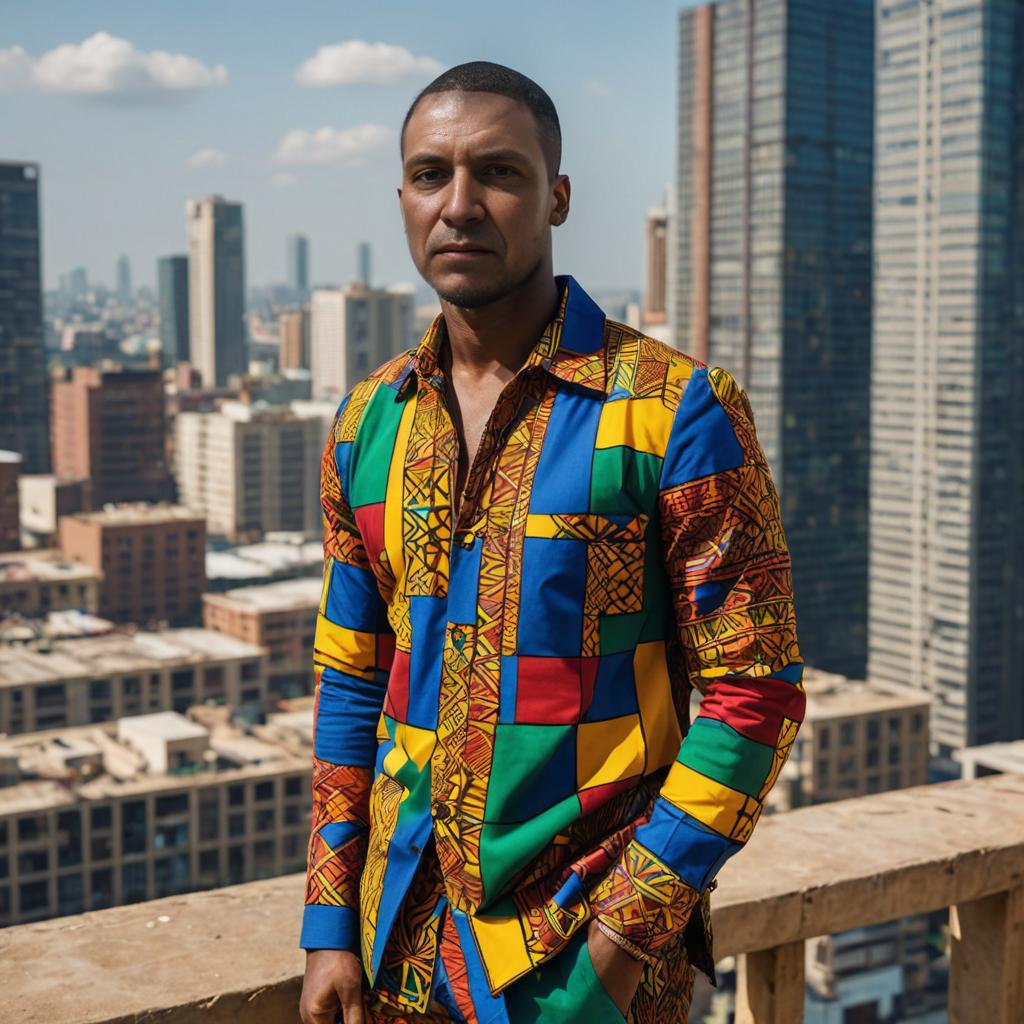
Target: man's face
474,176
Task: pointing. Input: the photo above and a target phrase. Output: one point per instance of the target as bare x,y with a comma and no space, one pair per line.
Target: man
543,529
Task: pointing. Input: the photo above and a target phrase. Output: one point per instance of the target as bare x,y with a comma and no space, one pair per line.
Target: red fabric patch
588,678
370,520
548,690
595,796
396,700
754,707
385,650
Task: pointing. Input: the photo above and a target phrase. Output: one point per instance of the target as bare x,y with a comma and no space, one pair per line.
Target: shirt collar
571,347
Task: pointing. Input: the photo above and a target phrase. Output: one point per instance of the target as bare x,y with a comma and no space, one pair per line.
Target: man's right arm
353,648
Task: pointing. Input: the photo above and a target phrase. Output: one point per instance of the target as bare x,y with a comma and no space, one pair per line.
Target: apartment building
33,583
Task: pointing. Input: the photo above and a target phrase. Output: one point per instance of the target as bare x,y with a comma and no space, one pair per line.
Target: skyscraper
216,289
24,395
947,469
353,331
124,280
656,244
365,255
172,283
773,271
298,266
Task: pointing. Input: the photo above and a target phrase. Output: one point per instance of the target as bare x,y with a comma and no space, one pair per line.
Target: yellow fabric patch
657,712
642,424
727,811
411,744
348,650
502,950
394,496
609,751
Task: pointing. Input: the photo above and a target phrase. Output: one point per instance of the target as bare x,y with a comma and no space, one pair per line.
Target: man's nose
462,199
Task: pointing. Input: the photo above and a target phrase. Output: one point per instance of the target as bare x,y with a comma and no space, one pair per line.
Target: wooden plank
986,970
770,985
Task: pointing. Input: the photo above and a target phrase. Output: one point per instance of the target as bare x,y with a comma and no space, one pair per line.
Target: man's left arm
730,581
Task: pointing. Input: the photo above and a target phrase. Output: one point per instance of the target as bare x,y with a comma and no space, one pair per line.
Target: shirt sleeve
730,581
353,649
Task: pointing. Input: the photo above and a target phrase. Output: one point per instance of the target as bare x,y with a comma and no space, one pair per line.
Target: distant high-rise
365,255
24,405
353,331
109,426
773,271
294,331
216,289
124,280
947,444
656,229
172,282
78,282
298,266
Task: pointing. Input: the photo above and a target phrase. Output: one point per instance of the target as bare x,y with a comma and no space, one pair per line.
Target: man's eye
503,171
423,176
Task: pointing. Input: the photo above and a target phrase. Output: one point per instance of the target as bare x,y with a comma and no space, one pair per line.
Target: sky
294,109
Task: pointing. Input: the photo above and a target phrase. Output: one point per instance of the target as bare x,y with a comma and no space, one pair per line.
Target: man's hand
333,981
615,968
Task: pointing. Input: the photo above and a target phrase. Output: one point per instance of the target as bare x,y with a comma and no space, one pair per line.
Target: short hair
484,76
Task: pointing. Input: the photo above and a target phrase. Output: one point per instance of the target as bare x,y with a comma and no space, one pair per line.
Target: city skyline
246,113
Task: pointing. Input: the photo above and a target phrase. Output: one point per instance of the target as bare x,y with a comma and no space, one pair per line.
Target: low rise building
33,583
148,806
279,617
53,684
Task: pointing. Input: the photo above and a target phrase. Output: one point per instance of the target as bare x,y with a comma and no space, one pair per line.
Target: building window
70,894
102,886
133,879
34,897
133,827
846,734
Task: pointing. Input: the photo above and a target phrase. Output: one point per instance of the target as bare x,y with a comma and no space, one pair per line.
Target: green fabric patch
720,752
624,481
373,447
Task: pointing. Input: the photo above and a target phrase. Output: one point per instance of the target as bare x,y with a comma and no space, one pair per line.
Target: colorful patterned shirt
513,683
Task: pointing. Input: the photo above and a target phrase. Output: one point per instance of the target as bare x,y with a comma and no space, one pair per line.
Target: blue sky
115,148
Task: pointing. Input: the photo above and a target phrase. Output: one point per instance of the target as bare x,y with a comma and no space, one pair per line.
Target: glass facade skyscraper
172,285
947,471
773,270
24,392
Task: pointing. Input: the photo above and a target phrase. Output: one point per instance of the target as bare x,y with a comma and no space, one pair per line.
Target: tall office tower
298,266
773,271
172,284
365,254
352,331
216,289
947,473
24,406
124,280
108,425
79,282
655,267
294,330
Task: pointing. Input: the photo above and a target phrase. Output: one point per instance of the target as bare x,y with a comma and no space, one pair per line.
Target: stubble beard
483,295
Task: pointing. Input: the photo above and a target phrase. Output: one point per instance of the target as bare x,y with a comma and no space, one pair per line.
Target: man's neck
498,337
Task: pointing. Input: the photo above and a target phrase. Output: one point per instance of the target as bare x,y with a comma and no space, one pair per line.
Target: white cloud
594,88
208,157
357,62
331,146
106,65
283,179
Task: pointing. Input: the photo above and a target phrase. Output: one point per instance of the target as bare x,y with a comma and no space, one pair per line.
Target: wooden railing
232,954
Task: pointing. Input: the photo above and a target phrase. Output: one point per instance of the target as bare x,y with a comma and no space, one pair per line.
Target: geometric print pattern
504,680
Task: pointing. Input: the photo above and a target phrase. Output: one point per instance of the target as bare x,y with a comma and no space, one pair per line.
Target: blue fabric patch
693,851
328,927
489,1009
464,582
427,616
336,833
793,673
708,596
571,892
702,440
583,327
353,600
614,688
346,719
556,570
562,479
507,686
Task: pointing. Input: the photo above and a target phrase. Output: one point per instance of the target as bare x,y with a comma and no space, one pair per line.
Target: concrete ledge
232,954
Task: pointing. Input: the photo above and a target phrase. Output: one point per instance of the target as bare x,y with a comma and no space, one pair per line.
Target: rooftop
834,696
48,565
1000,757
116,653
139,513
286,595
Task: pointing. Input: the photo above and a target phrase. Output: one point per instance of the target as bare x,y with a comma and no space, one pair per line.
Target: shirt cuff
328,927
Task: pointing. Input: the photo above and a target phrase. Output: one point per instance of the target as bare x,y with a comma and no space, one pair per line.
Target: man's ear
399,191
